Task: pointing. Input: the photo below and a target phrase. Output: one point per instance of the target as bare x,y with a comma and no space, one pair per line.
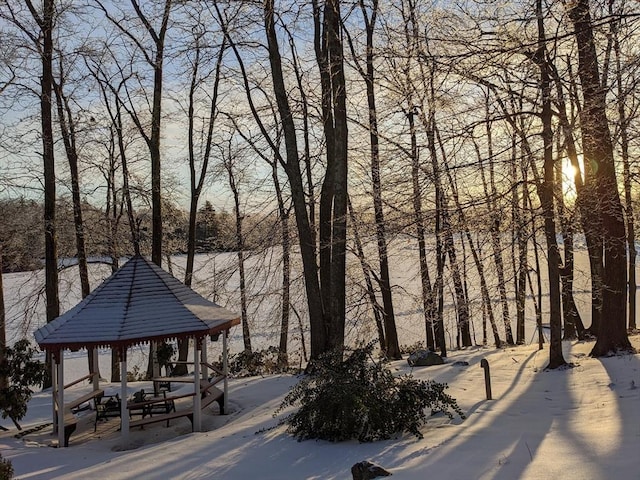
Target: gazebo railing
89,376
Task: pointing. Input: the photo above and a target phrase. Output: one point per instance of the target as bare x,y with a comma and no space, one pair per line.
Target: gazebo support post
155,366
124,414
54,393
197,401
96,375
203,359
60,379
225,369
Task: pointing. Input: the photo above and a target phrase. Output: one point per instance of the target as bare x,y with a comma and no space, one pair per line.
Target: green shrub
261,362
413,347
164,353
6,469
136,374
20,372
358,398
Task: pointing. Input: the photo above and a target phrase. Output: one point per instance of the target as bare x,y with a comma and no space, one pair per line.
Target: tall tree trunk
283,212
366,273
196,179
333,199
520,260
154,140
520,227
392,347
598,150
462,308
490,191
291,165
494,232
624,147
3,326
428,293
484,289
304,105
246,333
45,23
545,192
439,327
584,202
68,132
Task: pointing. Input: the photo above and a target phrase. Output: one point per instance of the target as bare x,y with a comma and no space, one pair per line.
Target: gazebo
140,303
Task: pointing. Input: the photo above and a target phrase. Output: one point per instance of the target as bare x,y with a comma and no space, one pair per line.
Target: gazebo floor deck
83,433
108,431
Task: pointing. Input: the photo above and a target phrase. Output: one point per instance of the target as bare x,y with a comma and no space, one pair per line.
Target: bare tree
326,310
598,150
283,215
624,136
118,199
291,165
44,43
3,326
546,191
390,346
155,59
199,159
376,308
230,167
68,132
333,197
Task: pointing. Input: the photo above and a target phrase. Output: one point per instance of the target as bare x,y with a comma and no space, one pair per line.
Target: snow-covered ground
577,423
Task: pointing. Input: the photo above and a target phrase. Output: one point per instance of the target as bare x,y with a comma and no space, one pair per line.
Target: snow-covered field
577,423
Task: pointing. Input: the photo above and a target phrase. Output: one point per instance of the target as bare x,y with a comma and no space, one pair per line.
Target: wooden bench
93,395
161,418
164,383
70,420
70,425
210,393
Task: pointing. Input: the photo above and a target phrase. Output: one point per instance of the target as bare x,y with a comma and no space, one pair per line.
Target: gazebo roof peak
138,303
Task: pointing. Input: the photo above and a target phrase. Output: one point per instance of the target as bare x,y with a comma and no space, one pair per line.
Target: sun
568,183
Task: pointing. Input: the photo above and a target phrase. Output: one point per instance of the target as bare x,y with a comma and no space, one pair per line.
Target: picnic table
145,404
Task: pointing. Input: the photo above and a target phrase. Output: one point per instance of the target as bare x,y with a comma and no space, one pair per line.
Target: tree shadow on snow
549,404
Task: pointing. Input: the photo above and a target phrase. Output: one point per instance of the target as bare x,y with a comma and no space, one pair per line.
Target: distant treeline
22,237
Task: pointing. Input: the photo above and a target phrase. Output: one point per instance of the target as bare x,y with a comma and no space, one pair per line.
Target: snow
575,423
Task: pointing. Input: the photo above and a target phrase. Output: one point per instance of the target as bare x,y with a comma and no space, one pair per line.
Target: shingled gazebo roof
137,304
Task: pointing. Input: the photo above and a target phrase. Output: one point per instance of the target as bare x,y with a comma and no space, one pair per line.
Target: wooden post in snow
487,377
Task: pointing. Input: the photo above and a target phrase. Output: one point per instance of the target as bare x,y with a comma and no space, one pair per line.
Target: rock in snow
424,358
366,470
